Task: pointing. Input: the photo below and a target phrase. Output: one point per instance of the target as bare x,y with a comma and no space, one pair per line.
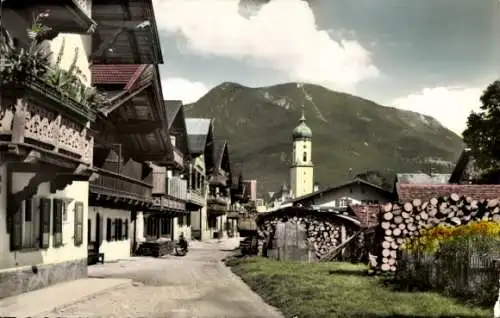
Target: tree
482,134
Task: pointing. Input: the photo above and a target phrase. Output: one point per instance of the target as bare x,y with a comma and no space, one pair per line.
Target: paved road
197,285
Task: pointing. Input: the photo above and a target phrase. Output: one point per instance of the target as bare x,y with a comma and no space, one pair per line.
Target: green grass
339,290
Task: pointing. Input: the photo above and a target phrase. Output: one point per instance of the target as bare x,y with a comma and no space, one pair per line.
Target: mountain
350,134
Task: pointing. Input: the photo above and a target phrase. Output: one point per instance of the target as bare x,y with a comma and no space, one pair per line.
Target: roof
103,74
423,178
172,107
336,187
197,131
219,147
407,192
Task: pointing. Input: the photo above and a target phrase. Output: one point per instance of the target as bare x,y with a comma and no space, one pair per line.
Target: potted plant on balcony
31,67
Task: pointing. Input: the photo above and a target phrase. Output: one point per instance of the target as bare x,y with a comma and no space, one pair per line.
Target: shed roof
407,192
336,187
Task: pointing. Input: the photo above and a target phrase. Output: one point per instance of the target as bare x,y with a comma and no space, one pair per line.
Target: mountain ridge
258,122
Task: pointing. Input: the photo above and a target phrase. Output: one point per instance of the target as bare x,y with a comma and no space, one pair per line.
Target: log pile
402,221
322,234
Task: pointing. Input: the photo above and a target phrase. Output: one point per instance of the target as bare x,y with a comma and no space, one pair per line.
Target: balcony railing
213,199
196,197
217,205
177,188
120,186
42,119
159,180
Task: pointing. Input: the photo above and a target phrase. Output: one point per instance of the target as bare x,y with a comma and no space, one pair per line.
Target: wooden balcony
35,117
123,184
218,179
173,187
217,205
196,197
164,203
177,188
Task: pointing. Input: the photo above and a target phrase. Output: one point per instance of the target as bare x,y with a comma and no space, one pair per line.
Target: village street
197,285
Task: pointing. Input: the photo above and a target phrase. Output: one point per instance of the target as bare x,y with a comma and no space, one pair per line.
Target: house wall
357,194
178,229
199,222
114,249
53,265
199,219
138,224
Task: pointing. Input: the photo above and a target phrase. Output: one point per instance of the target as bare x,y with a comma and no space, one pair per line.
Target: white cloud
449,105
282,35
176,88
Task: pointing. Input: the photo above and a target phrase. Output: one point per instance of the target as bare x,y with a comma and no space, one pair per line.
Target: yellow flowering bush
430,240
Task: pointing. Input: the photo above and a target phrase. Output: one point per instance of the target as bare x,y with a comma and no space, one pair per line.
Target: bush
459,261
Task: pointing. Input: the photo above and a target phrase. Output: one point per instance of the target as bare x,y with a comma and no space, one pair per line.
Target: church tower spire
301,170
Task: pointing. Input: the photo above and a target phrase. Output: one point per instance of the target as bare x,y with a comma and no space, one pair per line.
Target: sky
430,56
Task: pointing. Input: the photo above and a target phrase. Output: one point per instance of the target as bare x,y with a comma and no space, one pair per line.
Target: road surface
196,285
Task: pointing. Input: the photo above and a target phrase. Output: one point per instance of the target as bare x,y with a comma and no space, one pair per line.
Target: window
65,212
44,222
343,203
193,179
212,222
188,219
31,228
78,223
113,230
180,220
165,226
304,157
57,222
125,229
118,229
108,229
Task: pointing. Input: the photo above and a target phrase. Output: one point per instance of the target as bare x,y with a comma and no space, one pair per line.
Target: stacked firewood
321,235
400,222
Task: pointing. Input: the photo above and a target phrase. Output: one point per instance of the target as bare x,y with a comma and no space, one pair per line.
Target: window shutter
78,223
117,229
108,229
57,222
125,229
16,232
44,223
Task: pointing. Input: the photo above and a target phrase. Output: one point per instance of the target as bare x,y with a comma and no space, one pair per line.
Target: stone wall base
27,278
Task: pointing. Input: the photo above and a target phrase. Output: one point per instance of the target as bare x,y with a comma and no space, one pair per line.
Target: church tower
301,170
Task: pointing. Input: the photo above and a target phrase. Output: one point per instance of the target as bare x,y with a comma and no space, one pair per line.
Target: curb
83,298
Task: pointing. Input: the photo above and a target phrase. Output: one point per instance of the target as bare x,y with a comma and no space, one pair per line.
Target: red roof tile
407,192
115,73
366,214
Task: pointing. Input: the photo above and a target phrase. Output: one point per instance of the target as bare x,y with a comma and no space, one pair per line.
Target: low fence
465,273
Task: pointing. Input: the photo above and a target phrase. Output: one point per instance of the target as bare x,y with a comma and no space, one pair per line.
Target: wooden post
343,238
